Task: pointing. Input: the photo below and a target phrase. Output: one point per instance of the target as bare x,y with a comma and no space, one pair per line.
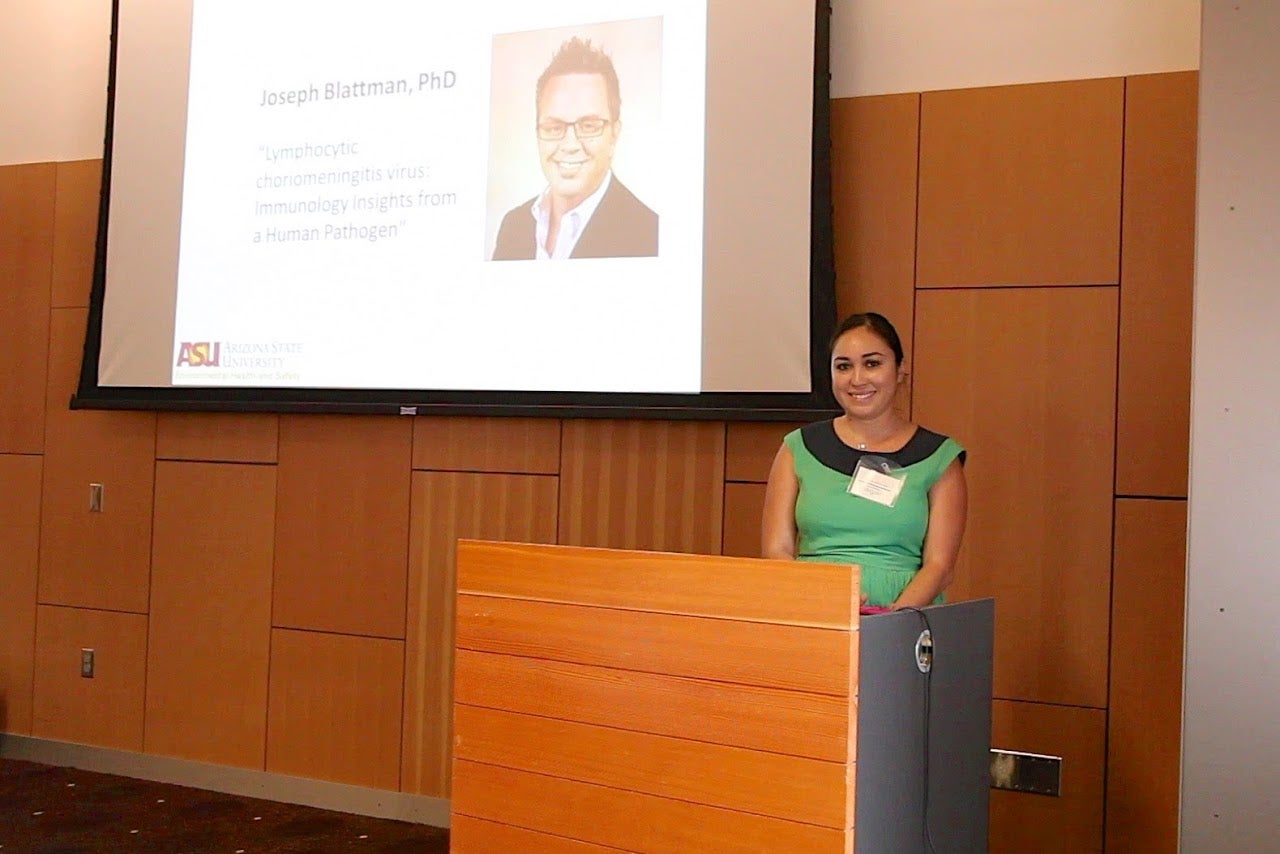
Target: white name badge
876,479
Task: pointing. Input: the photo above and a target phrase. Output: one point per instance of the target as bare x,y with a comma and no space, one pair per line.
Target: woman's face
864,373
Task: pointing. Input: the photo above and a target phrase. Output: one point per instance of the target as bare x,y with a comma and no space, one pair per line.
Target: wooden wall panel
743,511
26,250
19,553
218,437
342,530
1145,723
75,231
107,710
1020,185
875,145
750,449
210,628
1072,823
334,708
1154,429
642,485
445,507
1025,379
93,560
874,142
513,445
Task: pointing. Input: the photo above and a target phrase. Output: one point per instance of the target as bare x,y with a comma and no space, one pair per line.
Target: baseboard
235,781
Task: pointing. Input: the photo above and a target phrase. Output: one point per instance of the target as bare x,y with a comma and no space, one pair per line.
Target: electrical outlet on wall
86,663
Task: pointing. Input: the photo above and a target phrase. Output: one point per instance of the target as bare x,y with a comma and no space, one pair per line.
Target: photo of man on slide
584,211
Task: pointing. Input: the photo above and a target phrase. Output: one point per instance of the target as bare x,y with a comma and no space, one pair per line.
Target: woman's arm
778,525
948,505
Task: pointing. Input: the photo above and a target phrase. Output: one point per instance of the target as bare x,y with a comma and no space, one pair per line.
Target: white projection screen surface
567,206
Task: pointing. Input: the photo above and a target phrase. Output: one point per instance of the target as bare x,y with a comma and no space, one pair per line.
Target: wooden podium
617,700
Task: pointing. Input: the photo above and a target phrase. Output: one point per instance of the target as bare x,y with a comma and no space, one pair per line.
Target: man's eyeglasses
584,128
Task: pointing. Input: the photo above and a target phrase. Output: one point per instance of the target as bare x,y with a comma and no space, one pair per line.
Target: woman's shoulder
815,443
811,435
928,444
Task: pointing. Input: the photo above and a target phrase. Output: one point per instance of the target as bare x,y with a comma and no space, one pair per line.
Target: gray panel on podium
893,696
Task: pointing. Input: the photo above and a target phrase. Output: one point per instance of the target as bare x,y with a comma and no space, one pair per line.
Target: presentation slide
507,196
316,202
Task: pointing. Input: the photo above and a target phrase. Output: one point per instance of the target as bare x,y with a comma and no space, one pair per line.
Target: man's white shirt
572,224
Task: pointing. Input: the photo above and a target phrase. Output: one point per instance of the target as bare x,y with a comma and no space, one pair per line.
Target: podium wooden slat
626,820
808,790
766,654
477,836
771,719
814,594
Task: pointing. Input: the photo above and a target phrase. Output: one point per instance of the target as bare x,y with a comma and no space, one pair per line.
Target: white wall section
1231,752
884,46
53,79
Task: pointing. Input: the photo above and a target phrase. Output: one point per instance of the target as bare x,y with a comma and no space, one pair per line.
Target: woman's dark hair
878,323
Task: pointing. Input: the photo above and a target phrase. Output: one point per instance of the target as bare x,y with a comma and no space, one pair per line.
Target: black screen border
709,406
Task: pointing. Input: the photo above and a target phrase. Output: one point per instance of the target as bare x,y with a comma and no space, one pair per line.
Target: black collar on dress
821,440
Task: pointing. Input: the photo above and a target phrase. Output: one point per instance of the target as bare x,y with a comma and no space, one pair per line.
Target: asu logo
200,354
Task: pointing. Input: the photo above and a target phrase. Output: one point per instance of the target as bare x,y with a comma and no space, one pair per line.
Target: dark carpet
51,810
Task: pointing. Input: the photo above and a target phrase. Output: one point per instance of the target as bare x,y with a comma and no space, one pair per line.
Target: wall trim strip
247,782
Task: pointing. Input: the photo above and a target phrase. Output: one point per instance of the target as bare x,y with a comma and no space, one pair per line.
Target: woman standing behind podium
869,487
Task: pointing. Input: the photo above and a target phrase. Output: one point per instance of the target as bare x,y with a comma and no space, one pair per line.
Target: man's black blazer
622,227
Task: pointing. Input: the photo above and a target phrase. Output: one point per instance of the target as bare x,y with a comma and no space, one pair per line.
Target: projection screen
503,207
